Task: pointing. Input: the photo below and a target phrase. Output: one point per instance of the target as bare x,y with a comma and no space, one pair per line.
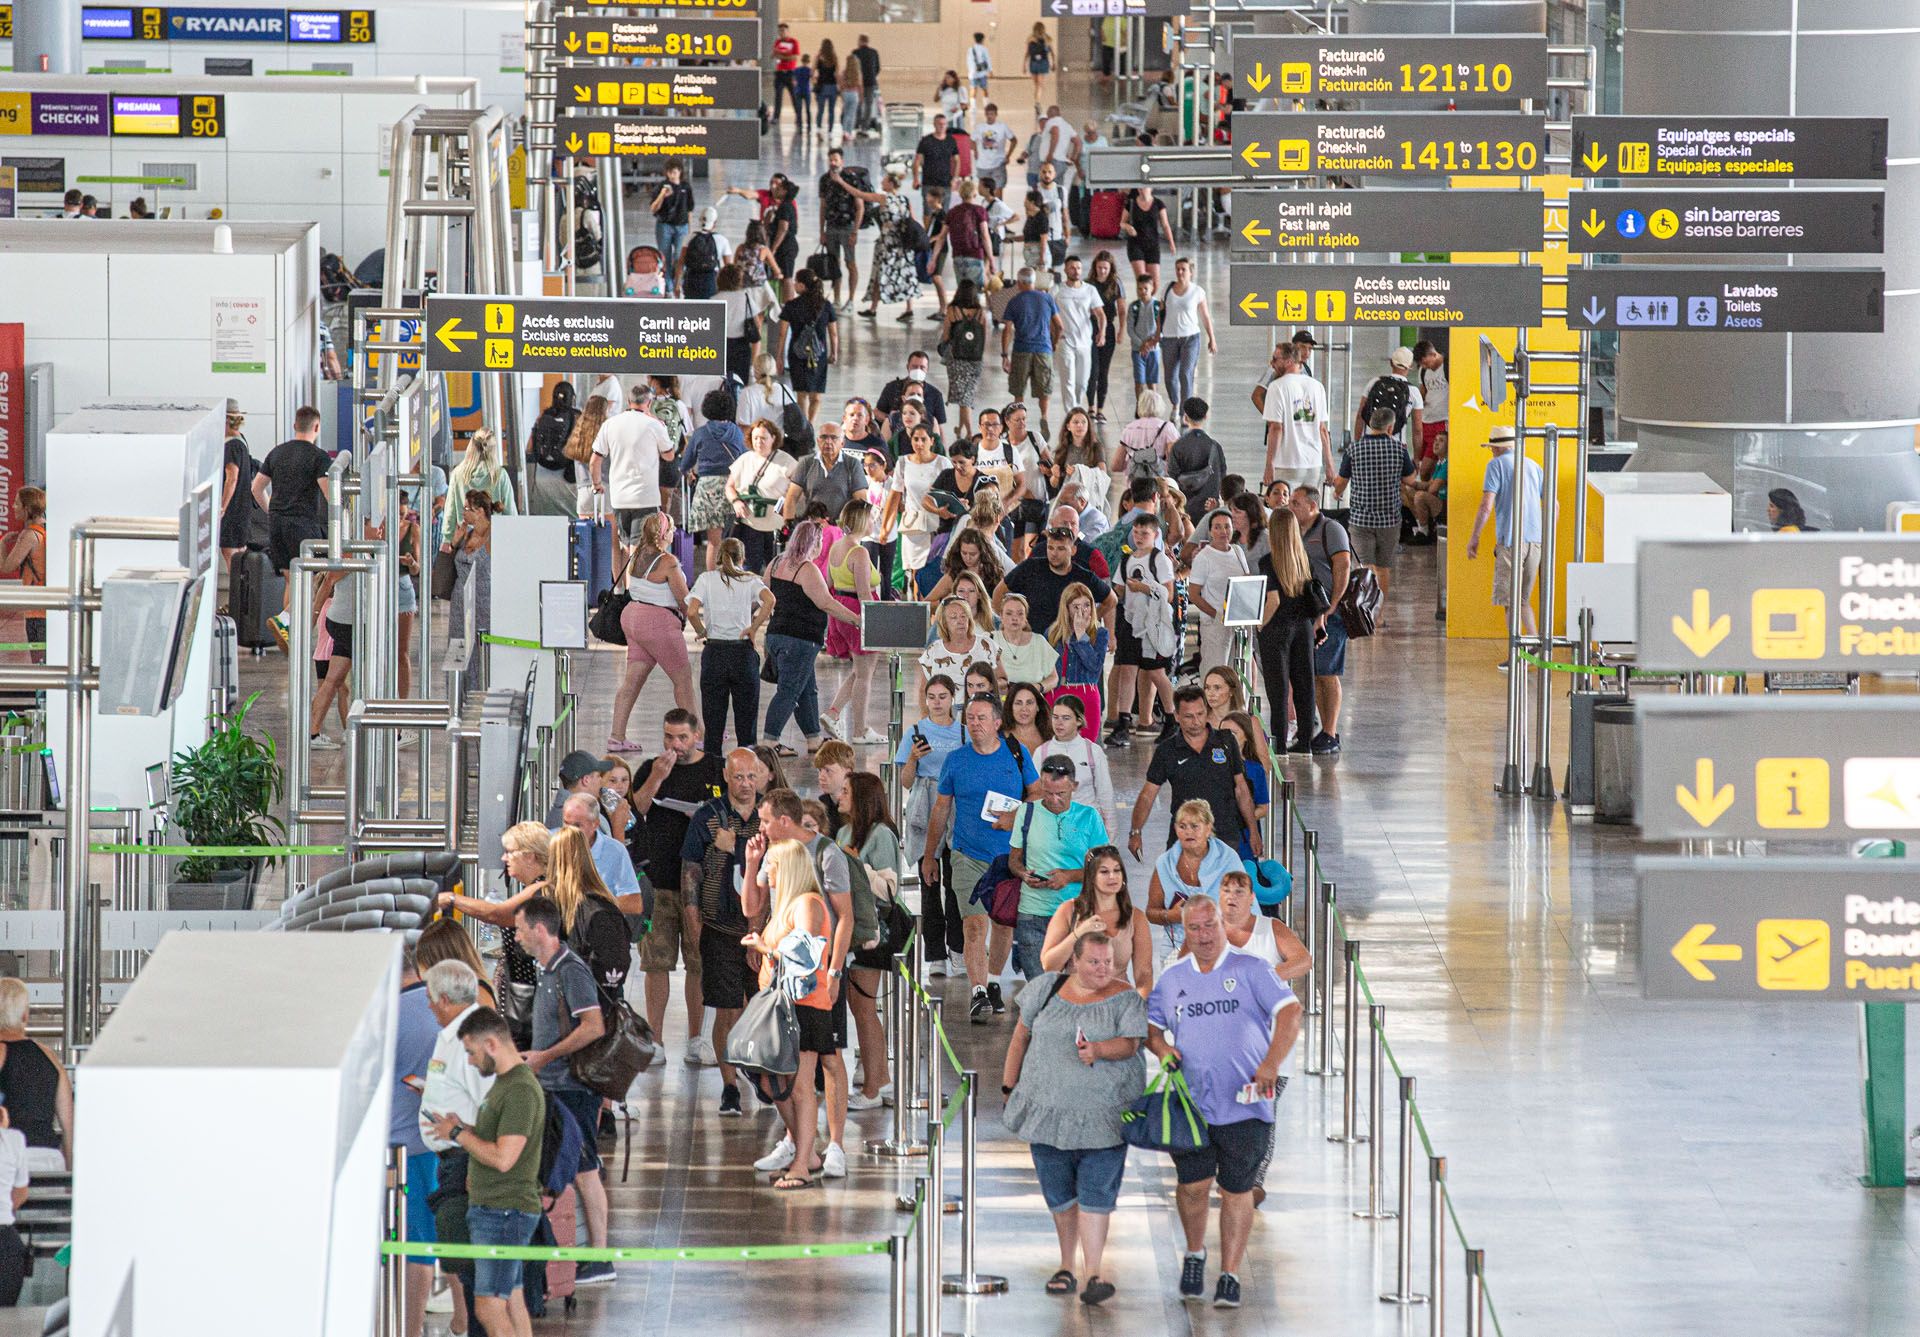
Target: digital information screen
143,114
107,23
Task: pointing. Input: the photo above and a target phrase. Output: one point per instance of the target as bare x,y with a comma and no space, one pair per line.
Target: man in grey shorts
840,215
1374,465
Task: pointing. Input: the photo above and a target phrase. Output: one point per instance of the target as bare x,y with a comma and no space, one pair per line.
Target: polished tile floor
1629,1167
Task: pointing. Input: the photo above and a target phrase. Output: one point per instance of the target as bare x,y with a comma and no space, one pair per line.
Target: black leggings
940,915
730,672
1097,380
1286,665
759,544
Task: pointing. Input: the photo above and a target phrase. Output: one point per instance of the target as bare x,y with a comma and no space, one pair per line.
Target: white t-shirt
1077,303
992,142
453,1085
726,604
937,658
1434,393
1299,404
1059,139
1183,312
632,445
1026,463
913,481
979,60
743,474
755,403
1212,569
1056,201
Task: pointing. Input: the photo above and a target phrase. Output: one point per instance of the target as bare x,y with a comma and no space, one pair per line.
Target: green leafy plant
224,792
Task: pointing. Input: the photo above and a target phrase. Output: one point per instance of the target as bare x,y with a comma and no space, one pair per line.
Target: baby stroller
646,273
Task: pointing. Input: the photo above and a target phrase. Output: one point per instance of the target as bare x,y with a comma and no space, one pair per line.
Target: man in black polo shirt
933,160
713,859
1042,580
666,793
1200,762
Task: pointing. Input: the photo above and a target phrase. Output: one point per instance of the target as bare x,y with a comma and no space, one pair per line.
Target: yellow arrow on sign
582,94
1703,802
573,42
1259,79
1693,950
1593,223
1251,306
573,143
1594,158
452,336
1253,232
1704,631
1252,155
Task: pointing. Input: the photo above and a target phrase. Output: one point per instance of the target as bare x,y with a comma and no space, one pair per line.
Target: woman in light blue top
1192,866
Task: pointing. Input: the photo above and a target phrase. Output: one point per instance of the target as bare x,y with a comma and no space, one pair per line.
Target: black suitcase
226,665
253,598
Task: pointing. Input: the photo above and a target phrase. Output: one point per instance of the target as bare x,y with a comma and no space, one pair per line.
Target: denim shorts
1146,367
1330,656
1089,1180
1029,936
499,1225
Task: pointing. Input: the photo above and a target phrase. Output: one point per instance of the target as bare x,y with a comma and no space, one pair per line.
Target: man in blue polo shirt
1027,333
1051,838
981,786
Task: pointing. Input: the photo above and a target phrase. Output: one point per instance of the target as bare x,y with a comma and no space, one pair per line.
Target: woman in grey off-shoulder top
1073,1068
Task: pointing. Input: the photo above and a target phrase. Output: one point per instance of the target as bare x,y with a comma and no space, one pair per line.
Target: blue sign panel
107,23
226,25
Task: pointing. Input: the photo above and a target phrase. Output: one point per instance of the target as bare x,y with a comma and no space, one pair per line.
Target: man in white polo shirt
626,463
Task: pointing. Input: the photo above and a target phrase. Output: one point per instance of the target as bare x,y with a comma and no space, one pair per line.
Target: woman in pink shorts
655,625
850,575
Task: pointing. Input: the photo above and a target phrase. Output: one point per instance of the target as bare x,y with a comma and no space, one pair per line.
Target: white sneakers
700,1053
833,1165
780,1157
870,738
860,1100
322,743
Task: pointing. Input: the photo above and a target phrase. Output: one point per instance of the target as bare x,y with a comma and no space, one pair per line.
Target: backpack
909,233
795,428
968,339
560,1147
702,253
1151,310
548,443
807,347
1149,461
856,177
1388,392
1113,544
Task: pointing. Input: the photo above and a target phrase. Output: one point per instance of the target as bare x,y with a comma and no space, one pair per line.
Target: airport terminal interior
393,594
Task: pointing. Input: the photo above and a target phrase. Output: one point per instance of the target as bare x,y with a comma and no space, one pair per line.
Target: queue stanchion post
1403,1292
1543,786
930,1056
930,1228
968,1280
1283,822
1476,1292
1310,912
1349,1133
920,1035
899,1292
900,1145
1437,1246
1376,1112
393,1289
1330,932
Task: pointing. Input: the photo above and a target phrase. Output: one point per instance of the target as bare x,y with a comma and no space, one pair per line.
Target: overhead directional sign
1391,143
1729,148
672,37
1747,768
1693,222
1295,221
1779,930
575,335
1501,295
661,90
658,136
1432,66
1751,300
1847,602
724,6
1096,9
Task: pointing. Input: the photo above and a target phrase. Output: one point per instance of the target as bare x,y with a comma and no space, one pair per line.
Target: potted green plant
223,793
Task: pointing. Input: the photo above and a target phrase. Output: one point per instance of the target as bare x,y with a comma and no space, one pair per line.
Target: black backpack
911,235
548,443
807,346
969,339
1389,392
703,253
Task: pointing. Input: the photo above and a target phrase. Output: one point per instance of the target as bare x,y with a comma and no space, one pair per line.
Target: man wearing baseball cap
1051,839
1393,391
1303,345
1496,499
580,773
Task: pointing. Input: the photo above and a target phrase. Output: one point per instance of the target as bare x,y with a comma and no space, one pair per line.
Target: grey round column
1831,416
46,36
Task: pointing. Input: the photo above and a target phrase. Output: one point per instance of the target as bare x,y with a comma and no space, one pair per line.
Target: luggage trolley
902,125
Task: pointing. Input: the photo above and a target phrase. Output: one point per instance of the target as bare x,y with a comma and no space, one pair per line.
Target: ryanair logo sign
227,25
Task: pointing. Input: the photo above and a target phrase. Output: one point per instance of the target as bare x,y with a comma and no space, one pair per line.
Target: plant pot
226,889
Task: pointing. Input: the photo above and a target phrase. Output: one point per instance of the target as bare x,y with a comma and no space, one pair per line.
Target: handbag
1165,1118
1360,601
605,620
767,1036
445,573
998,889
608,1065
826,264
1317,597
515,1002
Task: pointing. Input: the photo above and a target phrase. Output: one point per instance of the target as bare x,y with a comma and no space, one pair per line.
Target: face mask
917,374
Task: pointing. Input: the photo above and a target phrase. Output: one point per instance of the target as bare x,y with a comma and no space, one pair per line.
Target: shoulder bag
608,1065
1165,1118
1360,601
766,1039
604,621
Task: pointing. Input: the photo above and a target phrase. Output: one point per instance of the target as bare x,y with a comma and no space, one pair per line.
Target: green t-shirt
1051,842
516,1105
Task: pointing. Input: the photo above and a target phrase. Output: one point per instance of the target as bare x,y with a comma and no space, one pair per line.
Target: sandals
1061,1283
784,750
788,1182
622,745
1097,1291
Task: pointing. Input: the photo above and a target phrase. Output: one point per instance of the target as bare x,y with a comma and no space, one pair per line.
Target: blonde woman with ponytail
728,607
854,581
654,624
479,470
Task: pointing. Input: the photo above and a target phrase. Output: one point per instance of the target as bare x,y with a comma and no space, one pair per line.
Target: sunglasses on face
1059,533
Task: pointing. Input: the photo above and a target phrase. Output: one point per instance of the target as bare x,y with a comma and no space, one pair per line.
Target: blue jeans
1183,360
1029,936
669,237
499,1225
1146,367
798,694
826,100
1087,1179
849,109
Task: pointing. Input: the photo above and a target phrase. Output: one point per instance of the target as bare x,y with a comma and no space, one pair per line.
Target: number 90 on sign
1469,155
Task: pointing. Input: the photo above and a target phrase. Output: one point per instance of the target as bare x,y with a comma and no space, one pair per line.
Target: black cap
1057,765
576,766
1305,337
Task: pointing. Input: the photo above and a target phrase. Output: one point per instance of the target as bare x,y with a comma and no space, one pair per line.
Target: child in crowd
1082,642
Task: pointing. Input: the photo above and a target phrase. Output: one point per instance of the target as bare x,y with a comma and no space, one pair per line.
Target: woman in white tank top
1251,932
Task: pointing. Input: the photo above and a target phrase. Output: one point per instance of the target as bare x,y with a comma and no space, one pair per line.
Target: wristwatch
453,1134
1138,831
836,974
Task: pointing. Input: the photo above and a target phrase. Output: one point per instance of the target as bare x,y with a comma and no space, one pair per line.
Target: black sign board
1732,148
1429,67
1390,143
1718,221
670,38
575,335
659,91
38,176
1293,222
1291,295
717,6
658,137
230,65
1751,300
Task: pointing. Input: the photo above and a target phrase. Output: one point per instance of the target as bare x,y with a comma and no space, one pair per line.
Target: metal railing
1314,914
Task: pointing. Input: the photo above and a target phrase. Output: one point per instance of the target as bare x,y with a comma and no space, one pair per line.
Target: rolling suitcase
683,535
1105,212
590,554
253,597
226,664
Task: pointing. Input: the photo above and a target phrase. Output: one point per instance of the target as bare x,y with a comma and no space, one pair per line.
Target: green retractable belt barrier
1883,1088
